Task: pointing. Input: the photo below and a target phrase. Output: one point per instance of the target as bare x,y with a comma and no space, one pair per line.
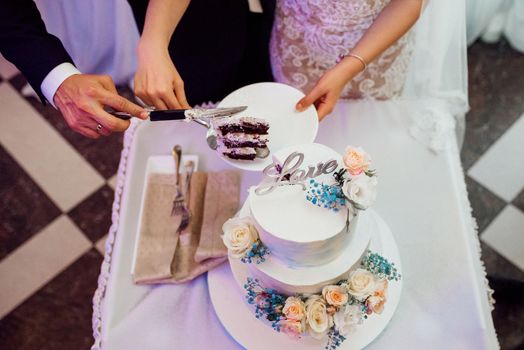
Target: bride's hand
328,88
157,81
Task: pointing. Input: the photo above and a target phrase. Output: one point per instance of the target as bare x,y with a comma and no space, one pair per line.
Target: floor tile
7,69
38,260
57,168
58,317
100,245
102,154
498,266
519,200
486,206
93,214
496,96
505,234
501,168
18,220
112,181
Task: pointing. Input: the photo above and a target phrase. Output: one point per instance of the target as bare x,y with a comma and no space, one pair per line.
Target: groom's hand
81,99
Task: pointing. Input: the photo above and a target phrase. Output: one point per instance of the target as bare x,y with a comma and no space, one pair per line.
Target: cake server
183,114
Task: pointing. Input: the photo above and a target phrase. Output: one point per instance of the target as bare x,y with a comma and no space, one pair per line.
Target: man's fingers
181,94
121,104
84,130
107,82
109,122
309,99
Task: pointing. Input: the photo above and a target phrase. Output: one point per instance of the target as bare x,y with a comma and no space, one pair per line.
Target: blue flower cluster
257,253
267,302
326,196
380,266
334,340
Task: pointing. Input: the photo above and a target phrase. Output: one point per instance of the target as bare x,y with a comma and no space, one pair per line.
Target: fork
186,214
178,203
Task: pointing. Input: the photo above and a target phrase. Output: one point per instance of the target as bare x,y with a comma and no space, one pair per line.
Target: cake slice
240,137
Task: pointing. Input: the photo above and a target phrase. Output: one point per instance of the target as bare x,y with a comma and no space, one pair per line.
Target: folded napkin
164,254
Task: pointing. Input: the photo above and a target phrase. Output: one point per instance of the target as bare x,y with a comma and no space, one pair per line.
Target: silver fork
186,214
178,201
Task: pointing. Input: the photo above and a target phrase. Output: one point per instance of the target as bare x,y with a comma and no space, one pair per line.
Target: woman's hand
329,87
157,81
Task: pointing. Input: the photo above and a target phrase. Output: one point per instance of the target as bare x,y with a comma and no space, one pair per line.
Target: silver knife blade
221,112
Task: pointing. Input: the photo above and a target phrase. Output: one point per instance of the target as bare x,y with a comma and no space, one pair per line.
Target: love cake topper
291,173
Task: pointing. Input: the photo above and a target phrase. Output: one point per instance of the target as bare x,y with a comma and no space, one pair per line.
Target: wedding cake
301,246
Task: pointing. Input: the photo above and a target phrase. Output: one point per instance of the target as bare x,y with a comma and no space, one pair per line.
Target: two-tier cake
302,250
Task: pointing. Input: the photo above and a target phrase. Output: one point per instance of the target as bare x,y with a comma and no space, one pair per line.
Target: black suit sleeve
25,42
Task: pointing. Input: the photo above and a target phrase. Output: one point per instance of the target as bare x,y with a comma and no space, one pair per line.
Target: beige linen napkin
165,255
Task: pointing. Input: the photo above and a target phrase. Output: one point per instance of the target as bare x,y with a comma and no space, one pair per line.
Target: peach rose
376,301
335,295
294,309
356,160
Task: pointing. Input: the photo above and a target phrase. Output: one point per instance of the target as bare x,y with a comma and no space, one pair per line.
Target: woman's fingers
170,100
325,106
181,94
309,99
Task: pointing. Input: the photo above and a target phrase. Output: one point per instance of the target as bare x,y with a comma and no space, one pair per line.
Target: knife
183,114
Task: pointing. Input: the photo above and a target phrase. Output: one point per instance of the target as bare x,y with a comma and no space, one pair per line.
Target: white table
422,196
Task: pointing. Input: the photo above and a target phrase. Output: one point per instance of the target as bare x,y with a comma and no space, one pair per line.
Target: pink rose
356,160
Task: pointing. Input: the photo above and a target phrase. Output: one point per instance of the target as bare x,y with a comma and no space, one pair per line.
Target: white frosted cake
303,240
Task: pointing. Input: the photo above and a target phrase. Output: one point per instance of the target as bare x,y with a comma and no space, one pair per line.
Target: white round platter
275,103
238,317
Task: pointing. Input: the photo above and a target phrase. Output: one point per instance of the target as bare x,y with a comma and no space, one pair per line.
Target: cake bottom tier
228,295
310,280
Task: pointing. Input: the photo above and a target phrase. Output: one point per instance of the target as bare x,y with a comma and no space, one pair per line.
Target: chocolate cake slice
240,137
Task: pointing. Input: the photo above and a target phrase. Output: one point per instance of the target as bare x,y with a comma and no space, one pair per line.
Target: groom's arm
40,56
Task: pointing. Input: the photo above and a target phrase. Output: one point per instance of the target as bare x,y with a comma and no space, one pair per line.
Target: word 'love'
290,173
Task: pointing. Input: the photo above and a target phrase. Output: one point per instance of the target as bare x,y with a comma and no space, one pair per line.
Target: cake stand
238,317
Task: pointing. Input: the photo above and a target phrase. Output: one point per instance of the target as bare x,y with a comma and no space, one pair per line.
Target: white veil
438,72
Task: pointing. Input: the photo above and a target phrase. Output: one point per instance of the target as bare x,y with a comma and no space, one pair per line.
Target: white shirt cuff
55,78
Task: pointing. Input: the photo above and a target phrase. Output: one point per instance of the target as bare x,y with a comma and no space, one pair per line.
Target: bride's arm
391,24
157,81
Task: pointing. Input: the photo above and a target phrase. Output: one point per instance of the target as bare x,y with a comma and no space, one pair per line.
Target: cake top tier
283,209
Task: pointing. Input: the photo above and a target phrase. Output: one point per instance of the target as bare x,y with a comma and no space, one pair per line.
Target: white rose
356,160
335,295
361,284
318,321
347,318
362,190
294,309
239,236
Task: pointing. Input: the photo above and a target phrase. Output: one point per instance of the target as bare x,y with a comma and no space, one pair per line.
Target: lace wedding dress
309,35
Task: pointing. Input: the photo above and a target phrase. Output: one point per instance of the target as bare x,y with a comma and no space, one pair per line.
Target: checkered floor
56,191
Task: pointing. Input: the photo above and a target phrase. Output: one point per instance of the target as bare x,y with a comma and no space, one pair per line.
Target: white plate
275,103
157,165
239,320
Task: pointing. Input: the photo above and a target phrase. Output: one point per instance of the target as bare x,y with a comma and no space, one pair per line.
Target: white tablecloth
422,196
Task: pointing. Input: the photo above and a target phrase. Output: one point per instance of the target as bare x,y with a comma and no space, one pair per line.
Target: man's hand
81,99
